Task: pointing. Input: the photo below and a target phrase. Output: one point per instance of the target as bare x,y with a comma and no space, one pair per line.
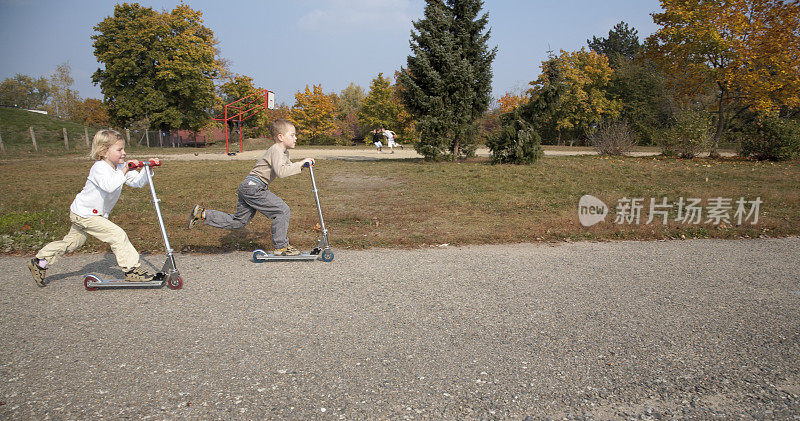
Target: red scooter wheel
86,281
175,283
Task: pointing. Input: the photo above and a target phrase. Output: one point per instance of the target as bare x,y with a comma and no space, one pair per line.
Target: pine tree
622,42
447,84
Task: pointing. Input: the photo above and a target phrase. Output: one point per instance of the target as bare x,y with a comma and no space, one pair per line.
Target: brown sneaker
195,217
138,274
37,272
287,251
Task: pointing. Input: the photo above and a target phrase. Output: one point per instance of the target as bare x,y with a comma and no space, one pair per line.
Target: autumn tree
95,113
748,49
157,66
314,113
25,92
581,81
509,101
379,108
65,101
447,84
349,104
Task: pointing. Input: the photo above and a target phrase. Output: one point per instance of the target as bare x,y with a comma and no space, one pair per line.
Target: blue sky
288,44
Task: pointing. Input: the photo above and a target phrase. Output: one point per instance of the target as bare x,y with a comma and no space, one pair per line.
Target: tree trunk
66,139
721,122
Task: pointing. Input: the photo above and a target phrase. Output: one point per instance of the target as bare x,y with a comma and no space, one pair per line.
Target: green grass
404,203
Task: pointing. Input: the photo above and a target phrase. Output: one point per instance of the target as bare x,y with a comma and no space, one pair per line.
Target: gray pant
255,196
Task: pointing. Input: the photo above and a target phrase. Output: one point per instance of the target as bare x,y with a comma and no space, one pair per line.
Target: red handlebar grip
139,164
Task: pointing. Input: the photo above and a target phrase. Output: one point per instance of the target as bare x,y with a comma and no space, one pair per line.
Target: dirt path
360,154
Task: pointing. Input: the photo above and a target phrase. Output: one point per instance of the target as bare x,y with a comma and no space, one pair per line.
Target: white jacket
102,189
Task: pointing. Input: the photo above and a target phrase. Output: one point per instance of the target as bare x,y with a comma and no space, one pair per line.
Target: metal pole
158,209
316,197
227,129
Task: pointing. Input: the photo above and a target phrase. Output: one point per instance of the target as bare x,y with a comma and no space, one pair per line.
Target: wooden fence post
2,146
33,139
160,138
86,132
66,139
147,136
128,134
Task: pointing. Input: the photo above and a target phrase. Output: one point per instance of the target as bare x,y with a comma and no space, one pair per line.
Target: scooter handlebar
139,164
306,164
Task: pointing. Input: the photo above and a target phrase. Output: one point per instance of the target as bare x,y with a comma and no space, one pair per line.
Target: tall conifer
447,84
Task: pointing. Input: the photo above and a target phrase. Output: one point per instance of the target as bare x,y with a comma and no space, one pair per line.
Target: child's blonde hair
103,140
280,126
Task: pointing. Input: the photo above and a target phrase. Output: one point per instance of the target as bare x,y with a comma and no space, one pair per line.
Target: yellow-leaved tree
509,101
748,49
314,113
583,80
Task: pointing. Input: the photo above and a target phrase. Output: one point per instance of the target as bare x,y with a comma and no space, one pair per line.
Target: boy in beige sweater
254,194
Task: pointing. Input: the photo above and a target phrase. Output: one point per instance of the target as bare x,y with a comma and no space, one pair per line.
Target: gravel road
625,330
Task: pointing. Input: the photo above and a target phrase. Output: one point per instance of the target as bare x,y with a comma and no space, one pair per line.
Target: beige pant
99,227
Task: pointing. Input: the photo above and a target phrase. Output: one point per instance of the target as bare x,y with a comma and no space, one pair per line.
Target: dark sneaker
37,272
195,217
138,274
287,251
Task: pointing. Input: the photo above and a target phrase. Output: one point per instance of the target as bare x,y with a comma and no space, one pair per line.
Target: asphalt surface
703,329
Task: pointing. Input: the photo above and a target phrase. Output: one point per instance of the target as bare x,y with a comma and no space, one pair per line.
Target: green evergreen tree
517,142
447,85
622,42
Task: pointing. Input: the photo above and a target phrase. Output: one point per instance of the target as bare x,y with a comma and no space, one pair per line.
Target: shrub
773,139
689,135
517,143
613,139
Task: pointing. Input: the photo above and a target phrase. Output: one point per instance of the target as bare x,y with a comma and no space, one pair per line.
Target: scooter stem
158,208
316,197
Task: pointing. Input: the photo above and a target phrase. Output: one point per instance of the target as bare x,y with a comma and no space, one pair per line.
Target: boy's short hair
280,126
103,140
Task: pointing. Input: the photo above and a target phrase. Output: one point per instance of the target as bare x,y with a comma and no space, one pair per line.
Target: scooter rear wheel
86,281
175,283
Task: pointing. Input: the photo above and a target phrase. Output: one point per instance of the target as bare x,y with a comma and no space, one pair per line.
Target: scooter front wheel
175,282
90,278
327,255
259,255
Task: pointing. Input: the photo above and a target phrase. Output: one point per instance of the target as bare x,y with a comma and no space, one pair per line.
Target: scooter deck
269,257
121,283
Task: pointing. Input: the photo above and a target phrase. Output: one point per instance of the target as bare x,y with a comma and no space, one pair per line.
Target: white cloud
376,15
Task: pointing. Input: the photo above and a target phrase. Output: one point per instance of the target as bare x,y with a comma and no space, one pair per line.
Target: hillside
15,126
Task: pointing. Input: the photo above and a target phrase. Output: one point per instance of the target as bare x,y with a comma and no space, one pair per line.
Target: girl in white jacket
89,211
